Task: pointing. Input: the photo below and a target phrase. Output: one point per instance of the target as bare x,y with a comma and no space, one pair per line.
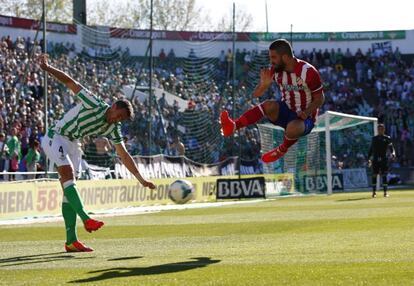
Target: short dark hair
381,125
125,104
281,46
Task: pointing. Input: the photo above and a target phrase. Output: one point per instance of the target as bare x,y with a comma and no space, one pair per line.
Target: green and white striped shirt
88,118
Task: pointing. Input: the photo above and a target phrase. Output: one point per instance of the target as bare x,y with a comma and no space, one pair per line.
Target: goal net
333,157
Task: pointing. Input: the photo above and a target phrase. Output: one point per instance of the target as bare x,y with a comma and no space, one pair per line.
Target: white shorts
61,151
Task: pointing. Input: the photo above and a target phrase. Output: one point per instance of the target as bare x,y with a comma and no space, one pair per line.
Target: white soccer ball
181,191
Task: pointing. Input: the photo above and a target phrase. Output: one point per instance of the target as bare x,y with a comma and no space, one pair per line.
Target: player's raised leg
269,109
71,193
294,130
72,243
71,207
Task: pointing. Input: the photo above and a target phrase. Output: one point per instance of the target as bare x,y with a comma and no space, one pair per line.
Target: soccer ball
181,191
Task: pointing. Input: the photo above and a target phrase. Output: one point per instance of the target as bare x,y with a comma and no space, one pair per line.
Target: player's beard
280,67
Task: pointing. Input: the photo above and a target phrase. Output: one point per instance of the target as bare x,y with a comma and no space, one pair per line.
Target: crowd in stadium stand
369,83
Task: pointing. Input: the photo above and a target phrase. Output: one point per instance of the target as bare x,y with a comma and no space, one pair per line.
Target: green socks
74,199
69,215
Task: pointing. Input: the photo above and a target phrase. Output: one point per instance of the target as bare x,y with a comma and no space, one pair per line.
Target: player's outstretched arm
58,74
131,166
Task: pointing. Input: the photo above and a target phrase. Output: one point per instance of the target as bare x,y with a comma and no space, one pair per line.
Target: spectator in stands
178,147
229,63
192,54
4,152
171,55
162,56
32,159
222,60
162,101
14,146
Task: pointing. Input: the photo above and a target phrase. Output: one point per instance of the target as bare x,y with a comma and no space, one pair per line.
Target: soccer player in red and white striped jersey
302,96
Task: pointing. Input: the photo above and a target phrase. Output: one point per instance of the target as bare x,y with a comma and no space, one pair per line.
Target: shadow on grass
125,258
355,199
120,272
27,257
38,258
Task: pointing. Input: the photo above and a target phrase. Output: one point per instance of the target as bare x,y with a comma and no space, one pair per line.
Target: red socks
287,143
251,116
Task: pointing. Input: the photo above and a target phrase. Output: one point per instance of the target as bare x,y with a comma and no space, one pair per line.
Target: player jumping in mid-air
296,112
378,151
91,116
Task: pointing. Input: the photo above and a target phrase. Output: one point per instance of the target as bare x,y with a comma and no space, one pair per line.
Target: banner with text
210,36
337,36
243,37
37,198
248,188
319,183
33,24
161,166
342,180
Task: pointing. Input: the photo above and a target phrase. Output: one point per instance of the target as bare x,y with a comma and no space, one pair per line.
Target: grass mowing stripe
386,273
255,227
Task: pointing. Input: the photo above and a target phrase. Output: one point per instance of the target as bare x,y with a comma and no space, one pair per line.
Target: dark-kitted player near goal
378,150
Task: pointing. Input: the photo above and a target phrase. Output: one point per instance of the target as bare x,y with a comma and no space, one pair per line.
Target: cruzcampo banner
337,36
37,198
209,36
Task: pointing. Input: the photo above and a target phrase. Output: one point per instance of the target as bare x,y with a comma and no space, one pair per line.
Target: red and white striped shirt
298,87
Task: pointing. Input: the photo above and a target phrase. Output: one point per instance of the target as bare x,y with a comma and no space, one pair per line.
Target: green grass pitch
343,239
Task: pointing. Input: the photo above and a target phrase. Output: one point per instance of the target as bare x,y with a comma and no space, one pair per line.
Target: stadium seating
363,83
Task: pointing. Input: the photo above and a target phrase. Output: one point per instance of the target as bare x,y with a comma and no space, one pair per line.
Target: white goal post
327,116
337,136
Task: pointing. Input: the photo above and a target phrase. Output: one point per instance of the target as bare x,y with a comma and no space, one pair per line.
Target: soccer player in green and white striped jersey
92,116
